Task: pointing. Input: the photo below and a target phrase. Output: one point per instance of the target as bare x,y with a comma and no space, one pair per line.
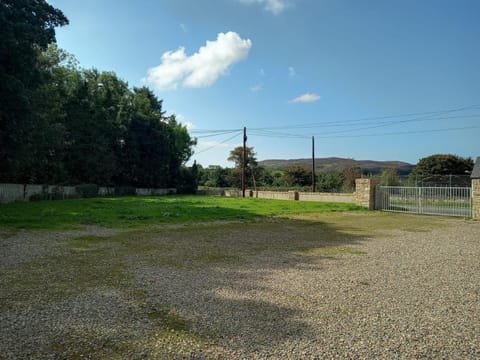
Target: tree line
438,169
61,124
292,177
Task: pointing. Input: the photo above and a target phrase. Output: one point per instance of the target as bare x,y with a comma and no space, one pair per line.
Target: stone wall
18,192
11,193
290,195
363,196
365,192
235,193
151,191
277,195
211,192
327,197
476,199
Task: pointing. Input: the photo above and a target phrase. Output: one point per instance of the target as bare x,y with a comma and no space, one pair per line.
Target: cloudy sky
374,79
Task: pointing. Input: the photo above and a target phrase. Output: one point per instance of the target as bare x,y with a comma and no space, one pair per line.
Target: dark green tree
215,176
389,177
443,164
188,179
349,175
331,181
147,143
182,144
263,177
296,175
93,126
46,163
27,27
235,175
63,125
442,169
236,155
154,147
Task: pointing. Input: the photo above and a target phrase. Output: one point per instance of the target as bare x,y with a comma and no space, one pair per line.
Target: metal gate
447,201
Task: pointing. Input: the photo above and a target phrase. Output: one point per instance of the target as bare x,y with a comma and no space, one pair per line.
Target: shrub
187,180
87,190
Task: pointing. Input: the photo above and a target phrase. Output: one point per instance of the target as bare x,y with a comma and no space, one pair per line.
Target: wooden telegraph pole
244,160
313,164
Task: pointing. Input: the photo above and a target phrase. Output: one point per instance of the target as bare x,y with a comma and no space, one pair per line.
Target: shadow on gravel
231,280
222,284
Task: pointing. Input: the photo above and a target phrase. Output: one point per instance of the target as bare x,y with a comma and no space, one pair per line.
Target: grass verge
139,211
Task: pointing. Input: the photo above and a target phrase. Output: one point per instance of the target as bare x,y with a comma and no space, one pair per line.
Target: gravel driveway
396,292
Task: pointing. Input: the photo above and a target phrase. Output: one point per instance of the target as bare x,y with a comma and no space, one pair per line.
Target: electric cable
218,144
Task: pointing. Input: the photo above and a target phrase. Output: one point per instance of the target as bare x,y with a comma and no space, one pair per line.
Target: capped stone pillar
365,192
476,190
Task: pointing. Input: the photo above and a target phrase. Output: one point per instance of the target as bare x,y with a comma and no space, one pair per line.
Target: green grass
139,211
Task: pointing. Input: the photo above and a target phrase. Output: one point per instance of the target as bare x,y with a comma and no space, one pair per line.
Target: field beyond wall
185,277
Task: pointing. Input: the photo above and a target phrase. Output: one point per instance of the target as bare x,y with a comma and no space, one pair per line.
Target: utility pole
313,164
244,160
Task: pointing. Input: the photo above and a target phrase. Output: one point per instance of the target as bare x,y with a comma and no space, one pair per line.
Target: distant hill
337,164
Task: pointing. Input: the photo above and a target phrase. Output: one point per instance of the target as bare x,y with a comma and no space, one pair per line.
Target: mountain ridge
337,164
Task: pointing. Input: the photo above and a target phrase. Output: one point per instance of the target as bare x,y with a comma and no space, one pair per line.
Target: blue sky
376,79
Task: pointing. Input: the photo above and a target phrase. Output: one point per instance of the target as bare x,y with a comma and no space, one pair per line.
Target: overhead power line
333,136
352,128
368,120
402,132
206,131
217,134
353,125
218,144
276,134
398,122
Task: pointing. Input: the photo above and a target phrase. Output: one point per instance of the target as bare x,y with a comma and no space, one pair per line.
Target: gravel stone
411,295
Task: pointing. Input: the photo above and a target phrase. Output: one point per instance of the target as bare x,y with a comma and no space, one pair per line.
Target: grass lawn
139,211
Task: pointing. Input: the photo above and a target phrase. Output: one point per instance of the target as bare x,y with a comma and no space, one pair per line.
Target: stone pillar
293,195
476,199
365,192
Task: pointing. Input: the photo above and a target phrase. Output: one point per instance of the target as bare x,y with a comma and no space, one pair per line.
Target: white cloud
189,125
274,6
201,69
183,27
291,71
306,98
182,119
256,88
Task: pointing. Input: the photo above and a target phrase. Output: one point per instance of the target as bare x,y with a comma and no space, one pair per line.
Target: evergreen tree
27,27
